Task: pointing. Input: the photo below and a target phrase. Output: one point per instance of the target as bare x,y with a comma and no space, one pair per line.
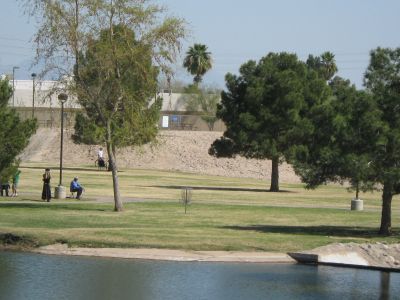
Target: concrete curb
307,258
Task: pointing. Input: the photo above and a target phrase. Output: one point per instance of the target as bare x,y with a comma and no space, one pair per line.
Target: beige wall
50,117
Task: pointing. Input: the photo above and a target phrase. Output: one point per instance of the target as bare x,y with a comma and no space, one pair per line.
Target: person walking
15,181
46,193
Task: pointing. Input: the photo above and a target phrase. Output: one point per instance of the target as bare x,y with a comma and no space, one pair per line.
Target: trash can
357,204
60,192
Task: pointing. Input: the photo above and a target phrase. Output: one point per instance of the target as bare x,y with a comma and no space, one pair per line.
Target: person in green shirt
15,181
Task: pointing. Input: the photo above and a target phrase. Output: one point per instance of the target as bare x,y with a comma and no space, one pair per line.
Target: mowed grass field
225,213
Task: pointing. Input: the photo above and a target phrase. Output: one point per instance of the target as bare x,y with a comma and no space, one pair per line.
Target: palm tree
197,61
328,63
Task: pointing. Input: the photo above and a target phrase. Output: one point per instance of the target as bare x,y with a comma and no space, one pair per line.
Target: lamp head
33,75
63,97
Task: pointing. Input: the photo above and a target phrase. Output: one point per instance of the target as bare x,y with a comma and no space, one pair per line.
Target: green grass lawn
225,214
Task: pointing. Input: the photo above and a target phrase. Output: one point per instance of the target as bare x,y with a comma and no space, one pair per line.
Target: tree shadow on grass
54,206
64,168
216,188
336,231
90,169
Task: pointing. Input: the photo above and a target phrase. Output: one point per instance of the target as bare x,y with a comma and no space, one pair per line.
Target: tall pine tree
264,109
14,133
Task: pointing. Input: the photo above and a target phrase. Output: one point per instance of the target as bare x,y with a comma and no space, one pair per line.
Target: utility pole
14,68
33,94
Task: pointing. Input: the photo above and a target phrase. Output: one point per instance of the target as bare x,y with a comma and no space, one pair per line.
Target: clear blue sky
236,31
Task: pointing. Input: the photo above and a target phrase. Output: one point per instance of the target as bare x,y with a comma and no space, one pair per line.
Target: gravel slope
185,151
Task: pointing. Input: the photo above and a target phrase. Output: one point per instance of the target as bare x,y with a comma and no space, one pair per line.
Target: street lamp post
60,192
63,98
33,94
14,68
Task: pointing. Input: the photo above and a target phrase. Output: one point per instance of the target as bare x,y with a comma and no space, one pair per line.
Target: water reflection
30,276
385,284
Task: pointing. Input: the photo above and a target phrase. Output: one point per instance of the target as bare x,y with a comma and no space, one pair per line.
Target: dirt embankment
377,254
185,151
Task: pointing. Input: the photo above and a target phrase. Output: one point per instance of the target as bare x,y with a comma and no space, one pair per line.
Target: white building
46,94
41,101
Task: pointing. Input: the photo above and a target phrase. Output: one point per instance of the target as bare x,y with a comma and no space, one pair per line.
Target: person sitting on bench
76,187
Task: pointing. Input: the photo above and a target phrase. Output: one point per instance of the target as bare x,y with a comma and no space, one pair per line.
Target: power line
14,54
16,47
12,39
297,53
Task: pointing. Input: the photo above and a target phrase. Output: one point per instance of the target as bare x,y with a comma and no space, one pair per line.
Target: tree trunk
357,190
275,175
114,169
386,219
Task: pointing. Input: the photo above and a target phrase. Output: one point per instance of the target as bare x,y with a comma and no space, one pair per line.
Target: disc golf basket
186,196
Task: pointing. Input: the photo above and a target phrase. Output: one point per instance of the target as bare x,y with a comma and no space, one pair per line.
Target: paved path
98,199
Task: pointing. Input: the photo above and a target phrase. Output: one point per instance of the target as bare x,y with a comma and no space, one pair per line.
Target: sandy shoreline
374,255
168,255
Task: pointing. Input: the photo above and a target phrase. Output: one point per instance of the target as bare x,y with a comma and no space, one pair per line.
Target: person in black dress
46,193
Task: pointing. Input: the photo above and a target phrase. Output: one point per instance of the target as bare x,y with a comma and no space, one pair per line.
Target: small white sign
165,121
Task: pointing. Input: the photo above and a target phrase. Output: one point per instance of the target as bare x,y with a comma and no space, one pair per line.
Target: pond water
33,276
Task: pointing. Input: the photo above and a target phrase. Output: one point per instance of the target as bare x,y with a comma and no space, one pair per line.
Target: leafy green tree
198,62
339,145
382,79
264,109
358,135
203,100
86,131
115,49
14,133
134,120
